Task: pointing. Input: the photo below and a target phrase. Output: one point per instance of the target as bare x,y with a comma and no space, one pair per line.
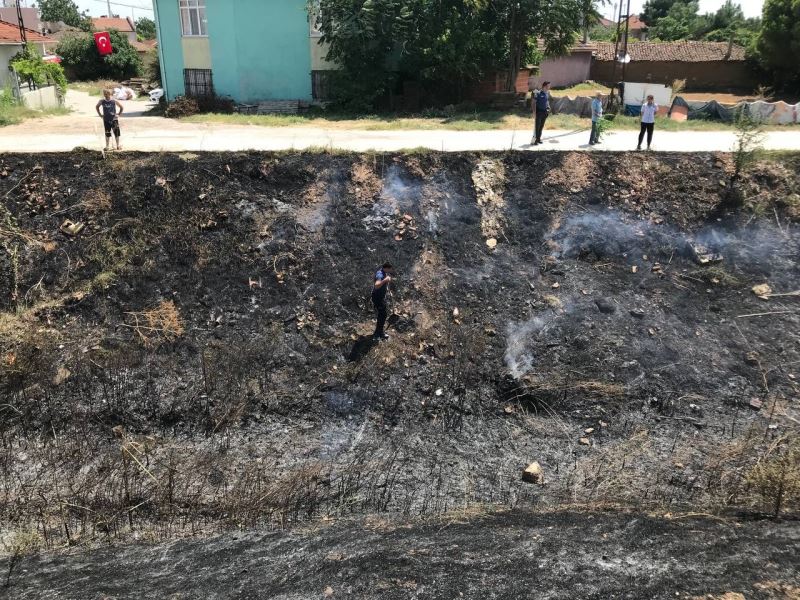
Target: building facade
248,50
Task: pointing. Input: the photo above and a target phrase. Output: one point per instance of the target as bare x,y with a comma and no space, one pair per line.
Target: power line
137,7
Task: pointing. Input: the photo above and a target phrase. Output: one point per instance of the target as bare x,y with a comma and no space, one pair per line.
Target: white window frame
193,18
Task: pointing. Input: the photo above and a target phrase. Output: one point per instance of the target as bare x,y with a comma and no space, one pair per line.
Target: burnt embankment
562,556
185,338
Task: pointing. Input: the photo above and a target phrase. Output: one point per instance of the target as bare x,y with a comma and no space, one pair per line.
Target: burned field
185,341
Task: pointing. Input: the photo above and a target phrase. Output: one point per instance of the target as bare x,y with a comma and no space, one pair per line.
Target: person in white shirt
647,118
597,116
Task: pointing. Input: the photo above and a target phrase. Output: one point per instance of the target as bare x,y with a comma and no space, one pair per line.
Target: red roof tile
105,23
673,51
634,23
9,34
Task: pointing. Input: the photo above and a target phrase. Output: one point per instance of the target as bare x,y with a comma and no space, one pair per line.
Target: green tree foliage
590,15
520,23
379,43
656,9
680,22
30,66
145,29
66,11
82,61
777,45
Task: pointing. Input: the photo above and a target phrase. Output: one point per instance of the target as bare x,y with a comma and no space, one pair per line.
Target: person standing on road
541,110
647,118
383,278
597,115
107,110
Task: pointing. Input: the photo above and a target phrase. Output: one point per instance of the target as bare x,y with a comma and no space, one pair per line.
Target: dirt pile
197,356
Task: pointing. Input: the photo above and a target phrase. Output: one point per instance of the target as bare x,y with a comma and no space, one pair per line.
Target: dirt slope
507,556
190,353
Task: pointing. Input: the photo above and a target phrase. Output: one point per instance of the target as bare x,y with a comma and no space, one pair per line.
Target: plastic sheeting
580,106
772,113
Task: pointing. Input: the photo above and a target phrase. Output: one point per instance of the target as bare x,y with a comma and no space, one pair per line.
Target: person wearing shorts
107,110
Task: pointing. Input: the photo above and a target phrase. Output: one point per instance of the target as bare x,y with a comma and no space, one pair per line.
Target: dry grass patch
162,323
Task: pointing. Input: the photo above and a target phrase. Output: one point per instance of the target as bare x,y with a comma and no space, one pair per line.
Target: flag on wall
103,42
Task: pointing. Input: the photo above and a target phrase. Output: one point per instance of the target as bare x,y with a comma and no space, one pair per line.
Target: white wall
7,52
41,99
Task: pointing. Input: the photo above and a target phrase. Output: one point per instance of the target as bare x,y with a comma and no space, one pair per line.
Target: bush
82,61
154,71
30,66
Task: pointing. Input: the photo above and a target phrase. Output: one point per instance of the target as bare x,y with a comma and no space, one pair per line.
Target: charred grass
197,357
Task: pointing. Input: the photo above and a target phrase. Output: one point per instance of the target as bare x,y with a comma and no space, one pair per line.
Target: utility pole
621,56
109,9
22,33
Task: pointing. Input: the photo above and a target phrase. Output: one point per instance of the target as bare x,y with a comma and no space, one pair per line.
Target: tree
368,39
66,11
82,61
777,45
728,15
145,29
590,15
30,66
521,23
655,9
679,23
436,43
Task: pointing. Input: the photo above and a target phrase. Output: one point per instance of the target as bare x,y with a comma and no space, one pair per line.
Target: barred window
198,83
193,18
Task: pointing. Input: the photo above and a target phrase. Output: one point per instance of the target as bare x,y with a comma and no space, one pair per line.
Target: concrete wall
256,49
170,47
30,16
7,52
42,98
712,75
260,49
318,52
565,71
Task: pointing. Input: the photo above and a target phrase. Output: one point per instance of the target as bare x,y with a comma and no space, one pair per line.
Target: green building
249,50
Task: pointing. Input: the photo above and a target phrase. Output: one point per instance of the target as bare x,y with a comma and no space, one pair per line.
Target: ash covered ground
186,348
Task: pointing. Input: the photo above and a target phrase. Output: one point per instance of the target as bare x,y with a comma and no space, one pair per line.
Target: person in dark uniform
383,278
541,110
107,109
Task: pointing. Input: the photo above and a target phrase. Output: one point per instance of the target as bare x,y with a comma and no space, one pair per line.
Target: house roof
673,51
121,25
57,36
577,47
9,34
634,23
142,46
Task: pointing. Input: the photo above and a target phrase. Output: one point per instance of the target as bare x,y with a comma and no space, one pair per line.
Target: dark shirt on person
379,293
542,101
109,109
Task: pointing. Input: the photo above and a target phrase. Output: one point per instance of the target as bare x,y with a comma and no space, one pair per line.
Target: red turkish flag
103,42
